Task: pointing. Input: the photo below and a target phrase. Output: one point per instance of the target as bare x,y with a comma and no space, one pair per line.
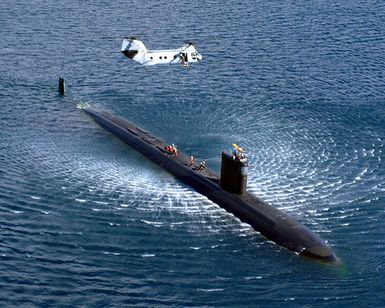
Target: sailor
174,150
191,161
234,154
202,166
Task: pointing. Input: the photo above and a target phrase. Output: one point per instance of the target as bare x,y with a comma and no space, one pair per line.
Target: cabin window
151,58
175,56
160,57
165,57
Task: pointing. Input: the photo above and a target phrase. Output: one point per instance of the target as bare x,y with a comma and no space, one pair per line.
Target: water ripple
87,221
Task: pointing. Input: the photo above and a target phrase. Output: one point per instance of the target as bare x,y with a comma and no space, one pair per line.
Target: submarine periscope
227,190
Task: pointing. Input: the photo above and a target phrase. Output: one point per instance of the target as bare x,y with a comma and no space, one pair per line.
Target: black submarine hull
264,218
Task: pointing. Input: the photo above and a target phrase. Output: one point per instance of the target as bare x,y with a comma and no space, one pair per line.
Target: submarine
228,190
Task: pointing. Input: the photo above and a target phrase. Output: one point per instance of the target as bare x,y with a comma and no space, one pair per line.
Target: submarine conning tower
234,171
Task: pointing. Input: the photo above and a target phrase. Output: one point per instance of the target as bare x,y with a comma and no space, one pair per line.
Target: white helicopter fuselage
137,51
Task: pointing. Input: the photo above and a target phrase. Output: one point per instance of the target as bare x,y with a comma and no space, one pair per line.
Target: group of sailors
200,167
238,154
171,149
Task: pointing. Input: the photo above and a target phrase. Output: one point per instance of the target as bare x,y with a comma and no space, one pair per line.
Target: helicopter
135,49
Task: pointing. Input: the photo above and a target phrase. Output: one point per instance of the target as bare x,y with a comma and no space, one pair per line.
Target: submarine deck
181,157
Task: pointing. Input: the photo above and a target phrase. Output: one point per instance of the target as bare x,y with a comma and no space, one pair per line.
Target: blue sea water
86,221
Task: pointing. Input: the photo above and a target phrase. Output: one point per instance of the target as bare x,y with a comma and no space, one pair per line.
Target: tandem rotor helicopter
135,49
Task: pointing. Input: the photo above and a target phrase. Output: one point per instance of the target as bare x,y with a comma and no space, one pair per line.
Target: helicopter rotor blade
176,58
135,36
145,30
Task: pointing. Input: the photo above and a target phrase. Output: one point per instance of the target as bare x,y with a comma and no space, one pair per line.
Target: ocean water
87,221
